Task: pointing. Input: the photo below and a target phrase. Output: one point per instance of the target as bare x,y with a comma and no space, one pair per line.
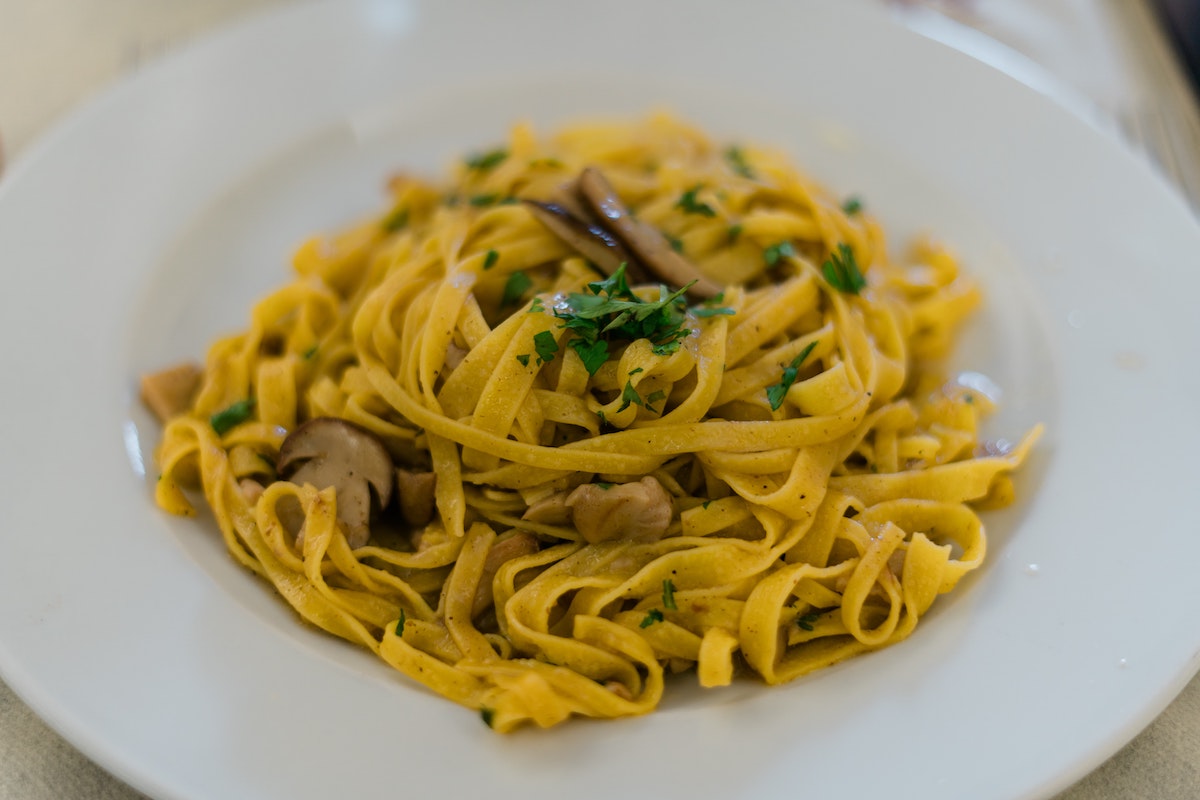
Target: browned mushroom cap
327,451
591,241
645,241
639,510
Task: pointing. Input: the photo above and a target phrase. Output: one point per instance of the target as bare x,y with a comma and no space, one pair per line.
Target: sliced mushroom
327,451
503,551
639,510
417,494
550,510
645,241
591,241
169,393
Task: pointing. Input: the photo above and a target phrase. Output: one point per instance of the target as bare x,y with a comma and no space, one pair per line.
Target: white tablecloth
54,53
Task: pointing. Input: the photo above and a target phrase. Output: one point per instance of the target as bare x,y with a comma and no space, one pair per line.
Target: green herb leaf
400,623
612,312
777,252
737,161
778,391
653,616
806,621
490,259
396,221
852,206
676,244
233,416
486,161
524,359
515,288
310,352
690,205
593,354
545,345
605,486
735,231
654,398
481,200
536,307
635,371
669,595
488,715
629,395
842,272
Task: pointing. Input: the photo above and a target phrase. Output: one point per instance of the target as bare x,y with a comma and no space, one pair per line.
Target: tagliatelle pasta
603,406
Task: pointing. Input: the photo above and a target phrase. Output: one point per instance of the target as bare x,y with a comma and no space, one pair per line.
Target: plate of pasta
702,421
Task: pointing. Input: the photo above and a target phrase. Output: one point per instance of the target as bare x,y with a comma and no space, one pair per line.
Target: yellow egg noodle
772,480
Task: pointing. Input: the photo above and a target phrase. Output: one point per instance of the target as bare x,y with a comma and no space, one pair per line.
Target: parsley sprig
669,594
652,616
612,312
776,392
515,288
486,161
842,272
229,418
737,161
690,205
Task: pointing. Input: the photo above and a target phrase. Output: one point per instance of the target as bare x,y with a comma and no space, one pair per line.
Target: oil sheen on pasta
822,477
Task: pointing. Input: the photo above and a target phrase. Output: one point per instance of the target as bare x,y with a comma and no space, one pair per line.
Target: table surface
1109,53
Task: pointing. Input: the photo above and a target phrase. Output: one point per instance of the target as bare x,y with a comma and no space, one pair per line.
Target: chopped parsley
400,623
776,392
524,359
536,307
612,312
777,252
310,352
605,486
490,259
737,161
593,354
853,205
481,200
690,205
711,307
654,398
676,244
486,161
806,621
842,272
735,231
669,595
515,288
233,416
630,395
396,221
652,616
488,715
545,345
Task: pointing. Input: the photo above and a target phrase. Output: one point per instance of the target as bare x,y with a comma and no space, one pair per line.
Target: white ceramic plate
147,225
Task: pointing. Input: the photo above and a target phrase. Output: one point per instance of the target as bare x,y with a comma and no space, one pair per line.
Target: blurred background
1113,62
